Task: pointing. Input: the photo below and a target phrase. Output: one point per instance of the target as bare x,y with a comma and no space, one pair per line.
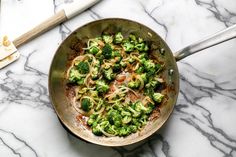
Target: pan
70,47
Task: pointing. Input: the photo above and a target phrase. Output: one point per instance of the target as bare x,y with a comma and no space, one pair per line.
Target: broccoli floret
93,50
97,131
74,75
107,38
153,84
128,47
124,131
101,86
80,82
135,113
143,119
144,77
107,51
135,121
109,75
149,108
83,67
117,56
149,91
114,117
139,107
140,47
143,56
133,39
134,84
126,119
157,97
112,129
116,67
86,105
150,66
133,128
140,70
123,64
118,38
92,119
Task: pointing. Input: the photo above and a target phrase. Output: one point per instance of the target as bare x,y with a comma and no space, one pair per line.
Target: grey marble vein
6,137
154,19
145,148
94,15
20,91
192,94
63,29
214,9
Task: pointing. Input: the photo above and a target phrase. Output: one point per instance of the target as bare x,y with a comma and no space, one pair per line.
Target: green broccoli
112,129
108,74
144,77
139,47
97,130
107,38
149,108
101,86
135,113
128,47
149,91
116,67
124,131
150,66
134,84
81,81
140,70
143,119
86,104
143,56
126,119
114,117
83,67
139,107
123,64
74,75
117,56
107,51
133,128
158,97
118,38
133,39
92,119
153,84
93,50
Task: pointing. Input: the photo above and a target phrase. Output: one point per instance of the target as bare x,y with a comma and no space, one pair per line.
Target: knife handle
67,13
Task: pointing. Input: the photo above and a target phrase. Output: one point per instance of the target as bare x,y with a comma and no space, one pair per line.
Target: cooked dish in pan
117,84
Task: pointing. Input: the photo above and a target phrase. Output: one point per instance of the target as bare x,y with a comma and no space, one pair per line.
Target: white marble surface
204,120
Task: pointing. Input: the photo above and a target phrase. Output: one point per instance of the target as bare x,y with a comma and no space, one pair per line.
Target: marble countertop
203,121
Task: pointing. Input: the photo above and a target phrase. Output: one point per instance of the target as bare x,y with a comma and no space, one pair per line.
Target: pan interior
66,51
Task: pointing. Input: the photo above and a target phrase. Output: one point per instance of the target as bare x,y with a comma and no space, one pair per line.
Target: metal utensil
57,84
8,49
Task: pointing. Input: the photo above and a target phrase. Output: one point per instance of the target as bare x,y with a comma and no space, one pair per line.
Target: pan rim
71,129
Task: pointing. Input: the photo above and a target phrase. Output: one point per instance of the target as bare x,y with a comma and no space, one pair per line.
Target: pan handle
210,41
